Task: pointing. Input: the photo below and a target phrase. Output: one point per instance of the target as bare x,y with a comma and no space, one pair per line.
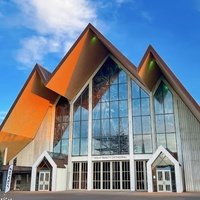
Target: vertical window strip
142,145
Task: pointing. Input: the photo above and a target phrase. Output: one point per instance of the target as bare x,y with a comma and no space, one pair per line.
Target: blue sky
41,31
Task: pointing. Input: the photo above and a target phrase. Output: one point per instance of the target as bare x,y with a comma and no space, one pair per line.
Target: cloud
197,5
2,115
55,25
146,16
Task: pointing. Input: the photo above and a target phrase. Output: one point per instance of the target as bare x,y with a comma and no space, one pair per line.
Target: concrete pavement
98,195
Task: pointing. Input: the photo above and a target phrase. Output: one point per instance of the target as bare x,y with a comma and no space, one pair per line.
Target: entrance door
44,181
164,181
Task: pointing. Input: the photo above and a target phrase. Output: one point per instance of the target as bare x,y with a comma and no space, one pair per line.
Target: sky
42,31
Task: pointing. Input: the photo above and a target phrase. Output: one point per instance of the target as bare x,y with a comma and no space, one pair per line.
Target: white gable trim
178,172
34,170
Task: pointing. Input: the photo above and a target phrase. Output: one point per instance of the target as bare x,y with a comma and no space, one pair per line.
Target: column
89,180
132,168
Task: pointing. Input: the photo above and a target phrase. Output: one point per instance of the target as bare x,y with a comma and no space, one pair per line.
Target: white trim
34,170
178,172
132,168
70,166
89,163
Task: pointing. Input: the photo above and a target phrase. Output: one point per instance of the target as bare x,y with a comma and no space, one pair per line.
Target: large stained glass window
80,125
142,134
110,110
164,118
61,132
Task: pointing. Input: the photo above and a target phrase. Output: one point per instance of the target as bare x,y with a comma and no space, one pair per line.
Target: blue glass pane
160,126
171,142
147,143
75,148
146,124
137,127
84,128
114,126
66,133
135,90
123,108
137,144
136,107
105,145
105,96
161,140
122,77
144,94
114,109
84,147
105,127
145,106
114,145
168,102
124,144
169,122
76,130
96,146
105,110
96,128
158,107
114,92
84,114
123,91
123,126
56,148
77,111
96,111
64,147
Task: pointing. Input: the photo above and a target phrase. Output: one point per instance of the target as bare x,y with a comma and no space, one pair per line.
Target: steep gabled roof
32,103
42,88
87,53
150,74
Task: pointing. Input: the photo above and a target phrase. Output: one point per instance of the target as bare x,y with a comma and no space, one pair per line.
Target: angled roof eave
108,45
173,80
118,55
18,97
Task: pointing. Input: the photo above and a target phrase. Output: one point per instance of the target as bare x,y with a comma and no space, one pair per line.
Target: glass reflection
164,118
109,100
80,125
141,120
61,131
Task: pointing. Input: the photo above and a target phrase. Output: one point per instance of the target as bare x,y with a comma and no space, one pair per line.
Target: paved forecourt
97,195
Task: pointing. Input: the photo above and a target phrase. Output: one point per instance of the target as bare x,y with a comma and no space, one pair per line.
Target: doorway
164,180
44,181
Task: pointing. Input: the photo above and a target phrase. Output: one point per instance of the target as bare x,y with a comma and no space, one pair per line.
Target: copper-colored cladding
78,66
13,142
149,76
31,105
25,116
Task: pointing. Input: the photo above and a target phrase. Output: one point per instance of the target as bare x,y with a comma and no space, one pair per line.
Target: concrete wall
42,142
190,143
61,180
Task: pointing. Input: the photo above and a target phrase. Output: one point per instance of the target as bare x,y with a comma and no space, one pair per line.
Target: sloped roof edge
180,89
121,58
43,73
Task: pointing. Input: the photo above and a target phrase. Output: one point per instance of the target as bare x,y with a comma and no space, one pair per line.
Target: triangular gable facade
42,88
152,67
